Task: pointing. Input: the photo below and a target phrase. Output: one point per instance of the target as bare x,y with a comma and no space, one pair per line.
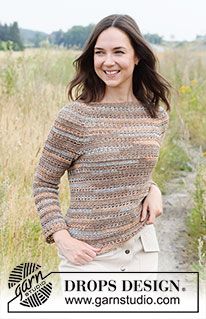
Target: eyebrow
116,48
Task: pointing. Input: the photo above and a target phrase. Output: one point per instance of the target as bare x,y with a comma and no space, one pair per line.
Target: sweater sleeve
63,145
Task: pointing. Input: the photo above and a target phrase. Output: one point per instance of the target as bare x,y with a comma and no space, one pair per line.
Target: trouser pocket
147,249
149,239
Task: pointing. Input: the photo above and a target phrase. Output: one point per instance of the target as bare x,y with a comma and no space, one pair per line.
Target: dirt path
171,226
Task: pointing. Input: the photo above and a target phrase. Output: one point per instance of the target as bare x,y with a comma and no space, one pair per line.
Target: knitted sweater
109,151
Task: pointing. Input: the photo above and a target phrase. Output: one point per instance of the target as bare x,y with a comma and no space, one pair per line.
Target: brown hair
149,86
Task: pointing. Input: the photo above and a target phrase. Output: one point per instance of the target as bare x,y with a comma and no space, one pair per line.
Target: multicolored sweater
109,151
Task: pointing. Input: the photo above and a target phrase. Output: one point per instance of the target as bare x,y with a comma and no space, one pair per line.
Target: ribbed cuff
153,183
49,234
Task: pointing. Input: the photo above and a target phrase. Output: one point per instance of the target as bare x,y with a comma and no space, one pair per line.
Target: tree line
11,37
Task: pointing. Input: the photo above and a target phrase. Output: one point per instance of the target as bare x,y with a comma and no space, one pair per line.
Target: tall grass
196,223
32,89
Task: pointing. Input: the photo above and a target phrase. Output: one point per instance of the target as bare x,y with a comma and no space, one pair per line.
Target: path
171,225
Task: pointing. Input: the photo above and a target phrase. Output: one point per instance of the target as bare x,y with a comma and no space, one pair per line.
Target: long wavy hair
149,87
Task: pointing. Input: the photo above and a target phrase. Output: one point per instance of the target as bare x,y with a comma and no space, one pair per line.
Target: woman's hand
76,251
152,205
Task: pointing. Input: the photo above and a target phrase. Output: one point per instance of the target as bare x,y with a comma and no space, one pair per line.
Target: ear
136,60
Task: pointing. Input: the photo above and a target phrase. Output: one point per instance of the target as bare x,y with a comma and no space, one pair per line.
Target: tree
77,35
57,38
38,39
11,33
153,38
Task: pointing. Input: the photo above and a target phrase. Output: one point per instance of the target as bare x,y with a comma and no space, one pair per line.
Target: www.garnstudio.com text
127,300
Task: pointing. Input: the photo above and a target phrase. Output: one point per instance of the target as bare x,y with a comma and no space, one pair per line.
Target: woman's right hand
76,251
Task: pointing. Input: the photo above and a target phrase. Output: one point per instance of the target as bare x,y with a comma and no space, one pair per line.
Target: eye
98,52
121,52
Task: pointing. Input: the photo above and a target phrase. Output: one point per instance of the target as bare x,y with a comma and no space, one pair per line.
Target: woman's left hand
152,205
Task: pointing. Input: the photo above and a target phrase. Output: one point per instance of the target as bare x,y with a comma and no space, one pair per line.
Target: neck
118,95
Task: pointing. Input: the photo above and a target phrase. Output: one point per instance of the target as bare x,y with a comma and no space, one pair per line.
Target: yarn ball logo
30,285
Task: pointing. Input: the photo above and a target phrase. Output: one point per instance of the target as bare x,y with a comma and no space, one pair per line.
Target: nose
109,60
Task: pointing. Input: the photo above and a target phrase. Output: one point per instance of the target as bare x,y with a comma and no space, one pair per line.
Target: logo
30,285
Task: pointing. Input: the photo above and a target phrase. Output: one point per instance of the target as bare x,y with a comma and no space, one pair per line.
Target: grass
196,224
32,90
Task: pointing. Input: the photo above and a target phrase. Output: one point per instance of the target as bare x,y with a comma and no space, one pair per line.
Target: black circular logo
30,285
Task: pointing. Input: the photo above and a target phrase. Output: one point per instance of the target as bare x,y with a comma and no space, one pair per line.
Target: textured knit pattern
109,151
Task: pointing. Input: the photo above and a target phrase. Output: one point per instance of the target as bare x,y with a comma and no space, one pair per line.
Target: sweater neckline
133,103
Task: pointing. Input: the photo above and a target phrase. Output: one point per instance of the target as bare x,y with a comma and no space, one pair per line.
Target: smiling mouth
111,72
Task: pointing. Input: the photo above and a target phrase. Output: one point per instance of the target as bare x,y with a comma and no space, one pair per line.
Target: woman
108,140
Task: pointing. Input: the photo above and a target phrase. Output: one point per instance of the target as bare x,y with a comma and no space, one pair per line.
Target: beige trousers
138,254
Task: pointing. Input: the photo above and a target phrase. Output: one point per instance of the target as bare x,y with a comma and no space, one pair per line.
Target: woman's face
114,58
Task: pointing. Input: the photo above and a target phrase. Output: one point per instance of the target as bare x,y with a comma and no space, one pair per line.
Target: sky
172,19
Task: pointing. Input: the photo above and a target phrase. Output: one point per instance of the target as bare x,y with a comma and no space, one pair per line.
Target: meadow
32,90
